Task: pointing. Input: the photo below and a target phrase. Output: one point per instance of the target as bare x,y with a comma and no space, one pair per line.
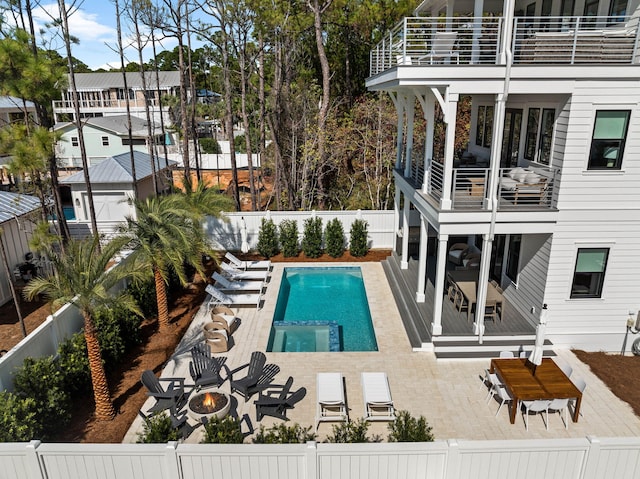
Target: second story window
484,126
123,96
74,141
539,135
105,141
609,136
588,277
618,10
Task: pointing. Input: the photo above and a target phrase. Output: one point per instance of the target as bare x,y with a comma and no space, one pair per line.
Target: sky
94,24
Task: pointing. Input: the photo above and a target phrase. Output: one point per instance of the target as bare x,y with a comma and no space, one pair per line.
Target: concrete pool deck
449,393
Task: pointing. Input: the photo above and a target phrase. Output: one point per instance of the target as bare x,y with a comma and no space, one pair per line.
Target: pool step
467,347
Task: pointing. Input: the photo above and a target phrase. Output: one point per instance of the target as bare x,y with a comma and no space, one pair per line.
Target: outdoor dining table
468,286
548,382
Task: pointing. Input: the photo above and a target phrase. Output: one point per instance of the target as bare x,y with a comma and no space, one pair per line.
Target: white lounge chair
218,298
378,405
264,264
235,286
443,47
331,405
240,275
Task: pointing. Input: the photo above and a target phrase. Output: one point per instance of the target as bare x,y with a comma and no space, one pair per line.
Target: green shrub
74,364
209,145
223,431
42,380
406,428
144,293
350,431
268,239
118,330
334,238
158,429
284,434
312,237
358,244
289,238
18,420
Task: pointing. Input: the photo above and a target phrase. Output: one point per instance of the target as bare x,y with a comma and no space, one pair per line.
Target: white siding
16,243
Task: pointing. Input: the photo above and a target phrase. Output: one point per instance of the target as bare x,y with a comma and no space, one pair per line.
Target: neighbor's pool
322,309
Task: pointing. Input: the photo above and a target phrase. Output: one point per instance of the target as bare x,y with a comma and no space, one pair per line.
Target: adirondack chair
205,370
259,375
173,397
275,400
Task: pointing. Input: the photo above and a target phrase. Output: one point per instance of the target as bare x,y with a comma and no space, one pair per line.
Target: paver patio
447,392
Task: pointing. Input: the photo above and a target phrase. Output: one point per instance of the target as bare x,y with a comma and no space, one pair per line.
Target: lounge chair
216,337
276,399
264,264
331,405
218,298
443,47
378,404
173,397
236,274
225,318
235,286
259,376
457,253
205,370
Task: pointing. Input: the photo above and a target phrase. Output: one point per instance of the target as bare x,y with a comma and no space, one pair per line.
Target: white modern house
543,206
104,137
13,109
112,184
103,94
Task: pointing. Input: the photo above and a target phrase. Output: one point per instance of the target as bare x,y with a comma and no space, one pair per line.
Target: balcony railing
477,41
530,187
104,103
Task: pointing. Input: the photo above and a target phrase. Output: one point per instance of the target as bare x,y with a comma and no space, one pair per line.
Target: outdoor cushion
520,176
516,171
532,178
509,184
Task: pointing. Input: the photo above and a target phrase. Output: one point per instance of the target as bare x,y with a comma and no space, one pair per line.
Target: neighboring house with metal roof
112,183
103,94
18,215
103,137
12,109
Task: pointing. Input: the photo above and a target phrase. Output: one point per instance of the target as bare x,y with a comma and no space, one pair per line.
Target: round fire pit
209,404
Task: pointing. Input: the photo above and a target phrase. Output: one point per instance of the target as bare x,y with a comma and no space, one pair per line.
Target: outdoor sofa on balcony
522,186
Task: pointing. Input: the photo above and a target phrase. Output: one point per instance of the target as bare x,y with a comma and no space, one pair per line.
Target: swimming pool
322,309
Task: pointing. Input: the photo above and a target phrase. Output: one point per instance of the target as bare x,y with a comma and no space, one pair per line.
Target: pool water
310,299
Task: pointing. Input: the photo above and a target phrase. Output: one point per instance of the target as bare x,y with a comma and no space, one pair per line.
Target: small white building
14,109
112,184
18,215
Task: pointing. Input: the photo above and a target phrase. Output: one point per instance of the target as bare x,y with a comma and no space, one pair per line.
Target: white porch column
398,101
436,326
422,261
404,262
429,116
410,109
477,30
396,218
483,279
451,104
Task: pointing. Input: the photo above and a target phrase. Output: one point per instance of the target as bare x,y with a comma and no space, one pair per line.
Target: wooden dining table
467,282
548,382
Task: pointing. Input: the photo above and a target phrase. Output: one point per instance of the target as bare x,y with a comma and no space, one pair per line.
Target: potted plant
27,270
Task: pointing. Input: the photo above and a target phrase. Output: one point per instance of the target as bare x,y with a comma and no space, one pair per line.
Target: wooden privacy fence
580,458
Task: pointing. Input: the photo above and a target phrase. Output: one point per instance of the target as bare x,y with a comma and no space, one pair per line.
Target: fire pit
209,404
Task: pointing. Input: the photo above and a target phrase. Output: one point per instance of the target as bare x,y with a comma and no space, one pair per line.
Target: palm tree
164,236
82,279
203,200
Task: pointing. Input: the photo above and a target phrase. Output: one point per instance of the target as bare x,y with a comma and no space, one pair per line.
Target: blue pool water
322,309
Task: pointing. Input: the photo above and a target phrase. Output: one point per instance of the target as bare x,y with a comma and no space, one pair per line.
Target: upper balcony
470,41
104,103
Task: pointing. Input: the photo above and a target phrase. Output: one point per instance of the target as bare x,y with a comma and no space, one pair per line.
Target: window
484,126
121,94
74,141
591,8
609,135
539,134
105,141
136,141
513,257
618,9
566,8
588,278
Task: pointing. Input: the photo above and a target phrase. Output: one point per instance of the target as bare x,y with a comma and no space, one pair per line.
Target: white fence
582,458
226,234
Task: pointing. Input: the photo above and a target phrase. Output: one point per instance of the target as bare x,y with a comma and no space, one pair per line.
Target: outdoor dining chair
559,405
535,407
501,393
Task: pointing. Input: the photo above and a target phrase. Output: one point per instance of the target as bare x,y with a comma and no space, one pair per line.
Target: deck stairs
416,318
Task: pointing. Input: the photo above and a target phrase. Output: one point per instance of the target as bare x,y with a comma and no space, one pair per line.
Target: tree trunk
161,300
104,407
245,121
226,69
324,102
183,92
